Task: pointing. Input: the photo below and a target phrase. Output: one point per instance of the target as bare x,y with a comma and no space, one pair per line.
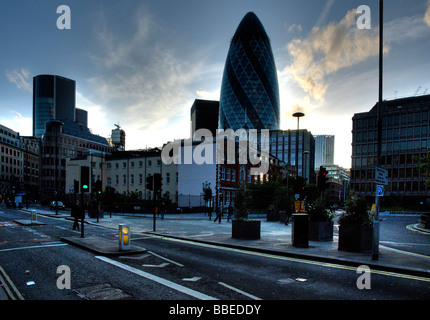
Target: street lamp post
298,115
304,165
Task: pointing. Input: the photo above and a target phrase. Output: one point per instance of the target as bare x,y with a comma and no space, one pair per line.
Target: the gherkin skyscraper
249,91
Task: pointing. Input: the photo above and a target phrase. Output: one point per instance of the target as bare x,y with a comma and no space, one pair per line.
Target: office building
54,98
283,146
204,115
405,139
11,161
249,89
324,150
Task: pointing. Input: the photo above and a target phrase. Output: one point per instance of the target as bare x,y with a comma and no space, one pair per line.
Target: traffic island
101,246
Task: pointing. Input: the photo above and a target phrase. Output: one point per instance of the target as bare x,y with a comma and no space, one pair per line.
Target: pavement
275,239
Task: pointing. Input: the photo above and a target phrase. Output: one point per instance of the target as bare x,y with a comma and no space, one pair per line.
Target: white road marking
33,247
162,265
161,257
159,280
240,291
193,279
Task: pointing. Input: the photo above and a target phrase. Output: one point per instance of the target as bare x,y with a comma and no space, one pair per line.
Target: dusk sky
142,63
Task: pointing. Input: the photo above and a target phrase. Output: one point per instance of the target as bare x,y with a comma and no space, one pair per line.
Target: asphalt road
178,270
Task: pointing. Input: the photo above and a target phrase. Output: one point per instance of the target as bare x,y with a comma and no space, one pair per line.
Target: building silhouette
249,89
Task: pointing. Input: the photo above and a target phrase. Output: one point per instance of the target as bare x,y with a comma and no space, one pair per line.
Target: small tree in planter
320,221
242,228
355,226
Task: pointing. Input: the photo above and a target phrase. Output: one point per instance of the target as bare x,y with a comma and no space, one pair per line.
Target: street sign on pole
381,176
379,191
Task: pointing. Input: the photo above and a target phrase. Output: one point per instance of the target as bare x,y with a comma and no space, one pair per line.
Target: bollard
124,237
300,230
33,216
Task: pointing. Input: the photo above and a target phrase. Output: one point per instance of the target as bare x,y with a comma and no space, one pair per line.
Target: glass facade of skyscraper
249,90
53,98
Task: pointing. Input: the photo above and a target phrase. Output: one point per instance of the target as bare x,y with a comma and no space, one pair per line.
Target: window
167,177
149,163
116,179
109,181
140,178
124,179
132,179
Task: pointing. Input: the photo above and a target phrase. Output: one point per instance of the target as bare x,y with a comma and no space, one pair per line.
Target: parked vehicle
60,205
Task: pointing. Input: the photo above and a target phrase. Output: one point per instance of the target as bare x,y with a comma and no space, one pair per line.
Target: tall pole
375,246
298,115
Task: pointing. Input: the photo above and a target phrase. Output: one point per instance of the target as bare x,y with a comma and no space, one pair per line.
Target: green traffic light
84,186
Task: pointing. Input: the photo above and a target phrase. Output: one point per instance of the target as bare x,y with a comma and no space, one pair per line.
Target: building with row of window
405,139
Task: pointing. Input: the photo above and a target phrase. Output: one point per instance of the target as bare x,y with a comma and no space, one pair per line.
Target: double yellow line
12,291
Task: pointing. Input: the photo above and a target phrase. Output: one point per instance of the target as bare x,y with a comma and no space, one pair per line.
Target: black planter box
355,239
320,230
425,221
246,229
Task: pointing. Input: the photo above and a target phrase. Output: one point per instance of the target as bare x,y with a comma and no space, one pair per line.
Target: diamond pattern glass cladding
249,90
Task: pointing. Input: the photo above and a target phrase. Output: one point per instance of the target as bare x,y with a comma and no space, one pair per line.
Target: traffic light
157,183
85,178
150,182
75,186
322,179
98,187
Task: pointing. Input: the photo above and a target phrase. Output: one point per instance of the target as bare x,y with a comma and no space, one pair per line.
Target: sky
142,63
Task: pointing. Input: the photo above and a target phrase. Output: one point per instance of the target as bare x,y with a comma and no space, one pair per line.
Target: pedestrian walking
76,214
218,214
230,212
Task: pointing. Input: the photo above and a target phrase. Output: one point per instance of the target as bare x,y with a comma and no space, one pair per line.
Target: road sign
379,190
381,176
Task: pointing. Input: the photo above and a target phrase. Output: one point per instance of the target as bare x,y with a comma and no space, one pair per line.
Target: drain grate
102,292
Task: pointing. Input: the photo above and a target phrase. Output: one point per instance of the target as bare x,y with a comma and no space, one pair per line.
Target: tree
424,166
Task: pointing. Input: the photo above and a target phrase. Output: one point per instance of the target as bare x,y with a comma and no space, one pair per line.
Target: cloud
207,95
17,123
328,49
142,82
427,14
21,79
295,27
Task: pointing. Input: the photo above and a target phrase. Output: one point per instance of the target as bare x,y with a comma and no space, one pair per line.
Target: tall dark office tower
54,97
249,90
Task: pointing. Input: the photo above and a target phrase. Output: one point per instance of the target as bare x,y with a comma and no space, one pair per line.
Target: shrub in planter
242,228
320,221
355,227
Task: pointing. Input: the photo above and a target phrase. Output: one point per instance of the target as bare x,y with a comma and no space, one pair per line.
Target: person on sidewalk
230,212
218,214
76,214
